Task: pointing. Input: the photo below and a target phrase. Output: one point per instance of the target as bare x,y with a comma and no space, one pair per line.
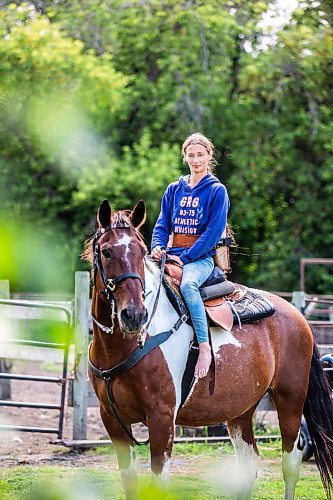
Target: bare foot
204,360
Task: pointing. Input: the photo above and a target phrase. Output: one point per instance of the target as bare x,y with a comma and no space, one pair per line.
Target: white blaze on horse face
124,240
223,337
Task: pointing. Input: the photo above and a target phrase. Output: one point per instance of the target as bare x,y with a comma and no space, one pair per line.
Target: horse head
118,252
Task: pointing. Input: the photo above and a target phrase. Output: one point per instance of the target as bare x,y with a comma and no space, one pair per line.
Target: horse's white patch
129,474
247,464
166,468
124,240
132,455
291,463
175,350
223,337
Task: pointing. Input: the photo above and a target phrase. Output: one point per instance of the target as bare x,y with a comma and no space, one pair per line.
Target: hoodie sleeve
162,227
214,229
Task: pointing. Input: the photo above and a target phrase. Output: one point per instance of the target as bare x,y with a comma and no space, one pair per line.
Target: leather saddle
226,303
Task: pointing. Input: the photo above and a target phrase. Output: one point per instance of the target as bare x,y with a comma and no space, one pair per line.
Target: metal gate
62,381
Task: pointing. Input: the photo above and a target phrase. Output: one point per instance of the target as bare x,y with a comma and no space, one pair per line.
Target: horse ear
138,214
104,214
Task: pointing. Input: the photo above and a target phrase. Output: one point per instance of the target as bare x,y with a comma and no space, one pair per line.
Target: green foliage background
96,98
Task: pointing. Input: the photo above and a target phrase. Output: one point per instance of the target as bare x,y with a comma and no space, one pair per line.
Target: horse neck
108,349
165,313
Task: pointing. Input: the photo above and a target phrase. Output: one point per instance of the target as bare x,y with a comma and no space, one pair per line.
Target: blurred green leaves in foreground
34,256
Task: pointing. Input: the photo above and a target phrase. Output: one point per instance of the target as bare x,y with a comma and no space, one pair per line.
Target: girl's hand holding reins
157,253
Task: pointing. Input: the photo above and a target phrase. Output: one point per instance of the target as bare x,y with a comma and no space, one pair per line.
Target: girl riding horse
194,213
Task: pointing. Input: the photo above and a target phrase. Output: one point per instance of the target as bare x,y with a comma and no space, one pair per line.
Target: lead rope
121,423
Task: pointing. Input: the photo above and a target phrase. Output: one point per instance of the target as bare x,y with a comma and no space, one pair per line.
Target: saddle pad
252,307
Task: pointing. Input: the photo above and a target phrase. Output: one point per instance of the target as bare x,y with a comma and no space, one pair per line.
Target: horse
275,355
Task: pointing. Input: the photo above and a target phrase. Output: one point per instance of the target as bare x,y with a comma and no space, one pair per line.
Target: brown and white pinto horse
276,355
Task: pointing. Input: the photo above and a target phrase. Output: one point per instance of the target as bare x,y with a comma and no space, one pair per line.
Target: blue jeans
194,275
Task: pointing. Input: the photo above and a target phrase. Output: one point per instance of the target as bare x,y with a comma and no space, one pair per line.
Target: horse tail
318,413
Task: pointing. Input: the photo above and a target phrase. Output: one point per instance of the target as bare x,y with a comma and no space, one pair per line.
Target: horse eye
106,253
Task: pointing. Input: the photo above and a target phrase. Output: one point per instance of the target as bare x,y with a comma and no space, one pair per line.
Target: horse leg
161,433
289,409
125,454
241,434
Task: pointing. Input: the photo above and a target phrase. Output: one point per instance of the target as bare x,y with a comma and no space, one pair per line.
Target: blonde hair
202,140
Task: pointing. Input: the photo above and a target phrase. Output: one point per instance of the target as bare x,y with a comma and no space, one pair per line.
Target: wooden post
81,344
298,300
5,364
330,314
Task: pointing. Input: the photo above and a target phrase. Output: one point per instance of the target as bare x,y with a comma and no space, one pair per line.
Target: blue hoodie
201,210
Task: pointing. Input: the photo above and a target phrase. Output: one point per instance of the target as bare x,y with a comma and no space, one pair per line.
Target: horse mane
120,217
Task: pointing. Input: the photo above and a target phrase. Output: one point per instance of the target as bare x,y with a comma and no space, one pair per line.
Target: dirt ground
26,447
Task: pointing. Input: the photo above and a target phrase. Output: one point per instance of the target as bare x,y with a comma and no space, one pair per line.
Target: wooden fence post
81,343
298,300
330,314
5,364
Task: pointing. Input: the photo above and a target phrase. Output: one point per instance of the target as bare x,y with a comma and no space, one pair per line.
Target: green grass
271,449
65,483
200,471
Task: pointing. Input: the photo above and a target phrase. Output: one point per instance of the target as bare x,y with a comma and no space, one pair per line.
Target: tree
55,102
132,79
289,149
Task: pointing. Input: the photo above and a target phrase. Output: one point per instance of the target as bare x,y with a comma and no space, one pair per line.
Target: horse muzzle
132,319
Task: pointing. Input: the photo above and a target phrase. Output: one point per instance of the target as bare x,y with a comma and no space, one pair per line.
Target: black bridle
111,283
